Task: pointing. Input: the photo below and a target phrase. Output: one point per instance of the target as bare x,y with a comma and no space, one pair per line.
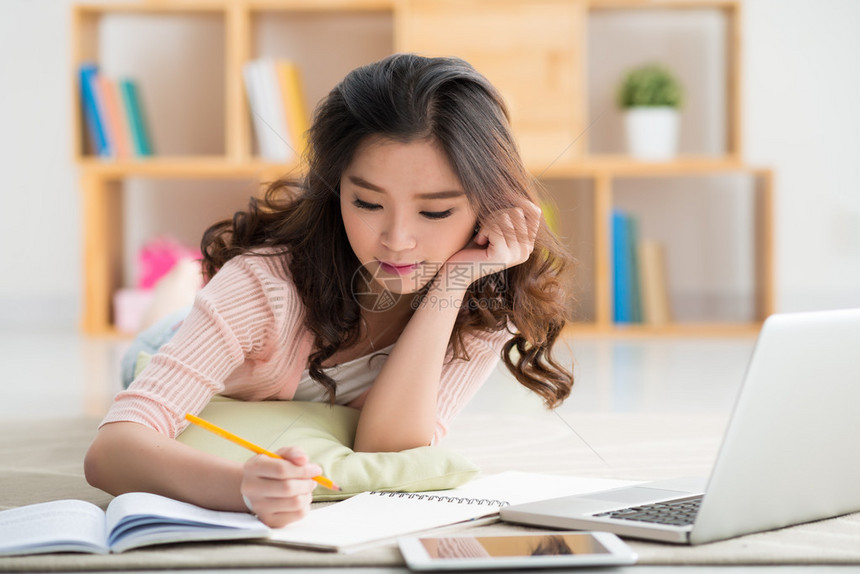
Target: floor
50,374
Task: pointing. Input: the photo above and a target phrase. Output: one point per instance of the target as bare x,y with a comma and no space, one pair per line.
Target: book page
141,519
371,517
58,526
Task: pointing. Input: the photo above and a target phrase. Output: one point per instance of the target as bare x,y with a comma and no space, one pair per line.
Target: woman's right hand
279,491
505,239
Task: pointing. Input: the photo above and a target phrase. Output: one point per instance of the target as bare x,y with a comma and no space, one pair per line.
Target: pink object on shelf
158,256
129,307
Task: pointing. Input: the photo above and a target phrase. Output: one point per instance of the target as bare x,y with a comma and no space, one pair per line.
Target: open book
131,520
138,519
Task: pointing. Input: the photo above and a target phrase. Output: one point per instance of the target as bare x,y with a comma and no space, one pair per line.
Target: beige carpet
41,462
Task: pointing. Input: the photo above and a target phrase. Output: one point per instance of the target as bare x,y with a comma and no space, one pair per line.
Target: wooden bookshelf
535,51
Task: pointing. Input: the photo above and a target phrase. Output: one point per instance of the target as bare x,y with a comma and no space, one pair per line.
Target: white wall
802,105
40,255
801,82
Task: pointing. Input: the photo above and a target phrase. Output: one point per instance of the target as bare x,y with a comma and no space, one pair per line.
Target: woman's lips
395,269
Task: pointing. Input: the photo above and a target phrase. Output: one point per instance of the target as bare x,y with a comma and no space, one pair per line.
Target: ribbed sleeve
244,325
462,379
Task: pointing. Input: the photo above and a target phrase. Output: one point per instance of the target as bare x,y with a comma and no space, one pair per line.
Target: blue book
634,278
621,267
92,117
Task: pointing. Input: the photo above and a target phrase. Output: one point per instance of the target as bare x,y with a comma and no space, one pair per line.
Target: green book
136,120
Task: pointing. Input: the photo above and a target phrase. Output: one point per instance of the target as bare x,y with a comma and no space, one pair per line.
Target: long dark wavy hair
409,98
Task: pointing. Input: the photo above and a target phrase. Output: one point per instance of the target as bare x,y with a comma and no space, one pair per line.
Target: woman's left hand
505,239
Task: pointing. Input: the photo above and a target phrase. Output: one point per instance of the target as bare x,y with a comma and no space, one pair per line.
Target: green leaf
650,86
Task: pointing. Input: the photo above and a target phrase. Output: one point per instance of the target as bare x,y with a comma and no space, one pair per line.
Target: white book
131,521
267,111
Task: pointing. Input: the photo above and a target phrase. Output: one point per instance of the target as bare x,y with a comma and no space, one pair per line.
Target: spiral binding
442,498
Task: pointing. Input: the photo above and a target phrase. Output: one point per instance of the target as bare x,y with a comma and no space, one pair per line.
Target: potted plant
651,96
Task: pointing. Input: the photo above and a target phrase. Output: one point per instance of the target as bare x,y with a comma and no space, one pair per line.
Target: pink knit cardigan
245,338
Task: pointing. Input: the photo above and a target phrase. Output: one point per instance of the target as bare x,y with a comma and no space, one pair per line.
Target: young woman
391,278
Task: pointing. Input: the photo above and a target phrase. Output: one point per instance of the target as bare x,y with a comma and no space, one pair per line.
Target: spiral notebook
373,517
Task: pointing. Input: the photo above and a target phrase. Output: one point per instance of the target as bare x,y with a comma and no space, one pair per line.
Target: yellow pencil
326,482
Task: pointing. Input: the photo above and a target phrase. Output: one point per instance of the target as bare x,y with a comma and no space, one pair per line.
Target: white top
353,378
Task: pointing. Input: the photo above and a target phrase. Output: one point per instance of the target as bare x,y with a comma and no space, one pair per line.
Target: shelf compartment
175,53
325,41
120,213
707,226
572,204
739,243
697,41
532,51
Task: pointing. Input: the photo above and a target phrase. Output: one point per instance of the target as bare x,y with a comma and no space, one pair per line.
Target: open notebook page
372,517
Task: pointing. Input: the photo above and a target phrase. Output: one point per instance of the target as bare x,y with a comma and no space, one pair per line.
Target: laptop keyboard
680,512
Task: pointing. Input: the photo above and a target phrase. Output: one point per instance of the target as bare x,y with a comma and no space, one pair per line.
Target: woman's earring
477,229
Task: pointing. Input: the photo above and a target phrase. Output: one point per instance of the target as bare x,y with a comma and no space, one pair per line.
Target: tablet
534,550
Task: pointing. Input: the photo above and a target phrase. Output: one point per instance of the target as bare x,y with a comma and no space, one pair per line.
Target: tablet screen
445,548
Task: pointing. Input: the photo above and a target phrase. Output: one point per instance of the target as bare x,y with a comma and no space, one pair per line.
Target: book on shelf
138,130
293,100
623,276
135,520
96,139
278,108
267,115
656,309
113,115
115,120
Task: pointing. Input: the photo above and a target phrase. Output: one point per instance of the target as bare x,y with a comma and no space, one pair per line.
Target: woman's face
404,210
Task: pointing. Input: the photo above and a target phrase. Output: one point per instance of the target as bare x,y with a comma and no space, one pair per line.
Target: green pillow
327,433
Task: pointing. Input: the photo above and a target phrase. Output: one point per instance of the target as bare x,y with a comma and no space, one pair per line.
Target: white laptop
791,452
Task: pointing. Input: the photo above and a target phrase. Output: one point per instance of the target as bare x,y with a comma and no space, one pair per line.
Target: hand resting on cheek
505,239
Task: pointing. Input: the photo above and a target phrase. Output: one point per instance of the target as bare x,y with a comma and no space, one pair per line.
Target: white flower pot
652,133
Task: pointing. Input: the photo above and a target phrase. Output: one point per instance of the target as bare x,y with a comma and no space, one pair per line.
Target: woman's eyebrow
361,182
